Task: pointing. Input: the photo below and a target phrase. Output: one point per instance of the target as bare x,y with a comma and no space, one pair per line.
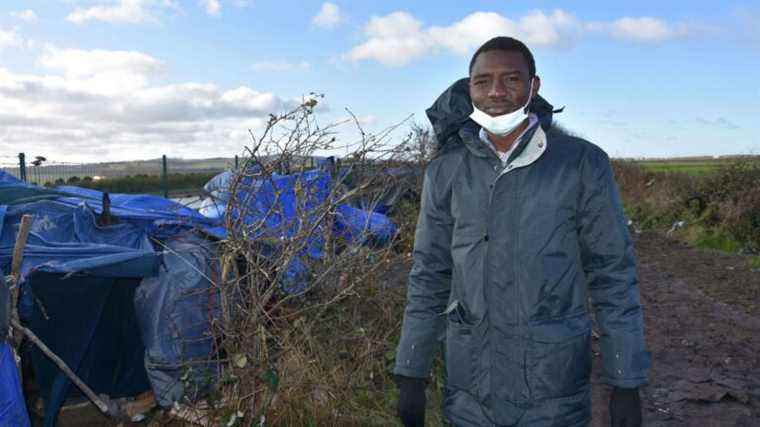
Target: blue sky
84,80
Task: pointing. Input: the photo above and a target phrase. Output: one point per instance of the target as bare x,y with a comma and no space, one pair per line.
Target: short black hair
508,44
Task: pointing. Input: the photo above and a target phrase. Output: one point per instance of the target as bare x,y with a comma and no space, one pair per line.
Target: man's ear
536,86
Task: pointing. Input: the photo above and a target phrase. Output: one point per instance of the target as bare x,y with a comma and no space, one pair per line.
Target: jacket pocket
559,358
460,353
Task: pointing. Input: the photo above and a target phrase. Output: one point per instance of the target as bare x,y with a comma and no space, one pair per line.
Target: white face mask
505,123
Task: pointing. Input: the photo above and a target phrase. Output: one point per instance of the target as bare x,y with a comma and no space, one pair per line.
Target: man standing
520,223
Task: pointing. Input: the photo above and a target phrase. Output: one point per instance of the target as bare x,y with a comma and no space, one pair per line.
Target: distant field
690,168
695,166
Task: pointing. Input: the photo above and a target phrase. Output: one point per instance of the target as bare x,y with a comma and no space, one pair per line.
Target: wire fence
163,176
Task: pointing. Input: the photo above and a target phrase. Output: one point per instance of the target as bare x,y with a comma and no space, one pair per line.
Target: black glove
411,401
625,407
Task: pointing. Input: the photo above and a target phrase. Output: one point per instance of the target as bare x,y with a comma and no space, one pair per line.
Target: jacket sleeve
610,266
429,280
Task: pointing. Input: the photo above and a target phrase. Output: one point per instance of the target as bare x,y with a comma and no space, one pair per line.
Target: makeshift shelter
78,281
121,287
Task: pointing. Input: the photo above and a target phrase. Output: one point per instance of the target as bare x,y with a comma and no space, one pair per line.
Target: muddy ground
702,315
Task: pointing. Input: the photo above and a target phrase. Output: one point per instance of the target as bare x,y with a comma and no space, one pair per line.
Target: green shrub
722,207
716,239
148,183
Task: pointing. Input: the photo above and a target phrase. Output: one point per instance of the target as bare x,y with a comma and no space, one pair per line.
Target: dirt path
702,315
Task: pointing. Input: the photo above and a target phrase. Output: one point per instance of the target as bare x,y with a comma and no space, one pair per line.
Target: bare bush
311,289
654,199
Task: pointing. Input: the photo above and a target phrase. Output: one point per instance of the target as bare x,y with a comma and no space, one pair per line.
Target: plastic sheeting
65,238
12,406
90,322
6,178
79,279
175,310
279,204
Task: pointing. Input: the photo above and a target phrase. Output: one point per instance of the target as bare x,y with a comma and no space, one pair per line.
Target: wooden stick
100,403
18,248
18,256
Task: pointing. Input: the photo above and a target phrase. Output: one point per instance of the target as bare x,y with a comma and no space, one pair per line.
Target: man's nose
498,89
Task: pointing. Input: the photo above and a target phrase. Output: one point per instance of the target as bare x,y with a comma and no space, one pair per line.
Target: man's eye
480,83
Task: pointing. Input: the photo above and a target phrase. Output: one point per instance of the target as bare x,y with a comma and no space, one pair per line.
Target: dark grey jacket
504,260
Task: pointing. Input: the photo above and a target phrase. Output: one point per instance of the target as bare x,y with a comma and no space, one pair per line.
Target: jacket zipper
503,170
518,305
486,269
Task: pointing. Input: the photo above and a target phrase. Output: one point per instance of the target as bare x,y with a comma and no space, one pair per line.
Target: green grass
715,239
690,168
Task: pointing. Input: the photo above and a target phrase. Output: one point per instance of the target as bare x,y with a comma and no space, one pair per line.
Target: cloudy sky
88,80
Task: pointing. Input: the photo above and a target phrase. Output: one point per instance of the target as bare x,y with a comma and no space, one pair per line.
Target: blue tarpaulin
280,203
282,206
78,280
176,309
12,406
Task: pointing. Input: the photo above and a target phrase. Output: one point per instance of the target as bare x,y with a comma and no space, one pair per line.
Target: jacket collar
529,148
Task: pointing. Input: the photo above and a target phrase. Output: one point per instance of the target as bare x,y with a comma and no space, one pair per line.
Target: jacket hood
453,107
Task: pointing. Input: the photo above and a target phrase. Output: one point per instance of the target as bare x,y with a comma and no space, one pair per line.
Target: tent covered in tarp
79,279
279,207
281,202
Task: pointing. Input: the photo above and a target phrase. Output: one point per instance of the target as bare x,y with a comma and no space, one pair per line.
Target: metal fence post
164,177
22,166
236,161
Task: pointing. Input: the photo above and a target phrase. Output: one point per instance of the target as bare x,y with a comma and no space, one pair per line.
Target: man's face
500,82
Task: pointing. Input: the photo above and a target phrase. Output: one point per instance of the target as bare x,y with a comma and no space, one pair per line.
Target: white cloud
27,15
269,66
328,17
393,40
77,62
103,71
212,7
9,38
125,11
103,105
557,29
647,29
398,38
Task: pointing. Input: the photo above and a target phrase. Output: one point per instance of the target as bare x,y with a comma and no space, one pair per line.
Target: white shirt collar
504,156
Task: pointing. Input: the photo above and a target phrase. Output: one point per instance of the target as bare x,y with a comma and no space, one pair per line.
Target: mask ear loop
530,96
